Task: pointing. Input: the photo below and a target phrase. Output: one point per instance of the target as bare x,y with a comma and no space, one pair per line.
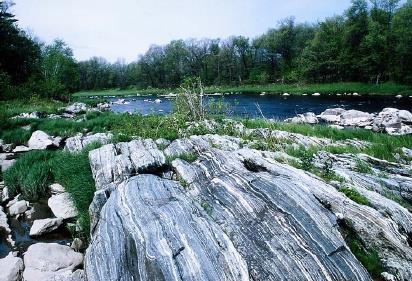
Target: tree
321,61
402,32
19,54
58,65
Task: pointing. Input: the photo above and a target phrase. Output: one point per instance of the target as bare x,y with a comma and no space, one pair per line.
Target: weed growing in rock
363,167
354,195
188,157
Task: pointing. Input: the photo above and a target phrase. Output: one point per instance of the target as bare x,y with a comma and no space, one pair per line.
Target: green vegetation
30,175
383,146
34,171
369,259
354,195
363,167
188,157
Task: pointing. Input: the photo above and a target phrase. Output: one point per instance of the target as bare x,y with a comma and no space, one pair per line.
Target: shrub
189,101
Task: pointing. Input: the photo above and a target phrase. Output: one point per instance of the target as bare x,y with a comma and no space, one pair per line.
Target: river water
271,106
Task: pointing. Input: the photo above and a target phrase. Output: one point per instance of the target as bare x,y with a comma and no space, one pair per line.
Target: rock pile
390,120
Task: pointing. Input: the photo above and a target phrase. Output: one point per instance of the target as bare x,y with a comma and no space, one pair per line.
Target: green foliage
30,175
34,171
363,167
189,102
73,172
369,259
188,157
355,196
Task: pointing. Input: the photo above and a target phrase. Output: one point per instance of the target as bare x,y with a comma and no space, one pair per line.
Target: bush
189,101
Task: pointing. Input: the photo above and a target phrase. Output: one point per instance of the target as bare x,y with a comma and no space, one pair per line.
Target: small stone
50,261
387,276
5,194
43,226
18,208
6,164
77,244
20,149
40,140
56,188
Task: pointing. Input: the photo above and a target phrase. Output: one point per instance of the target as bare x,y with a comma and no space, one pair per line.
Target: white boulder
11,268
77,107
62,206
40,140
44,226
50,261
18,208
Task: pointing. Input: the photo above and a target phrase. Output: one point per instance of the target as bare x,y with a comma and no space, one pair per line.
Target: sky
126,28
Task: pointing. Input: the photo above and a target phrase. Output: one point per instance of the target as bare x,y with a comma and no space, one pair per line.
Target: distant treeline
371,42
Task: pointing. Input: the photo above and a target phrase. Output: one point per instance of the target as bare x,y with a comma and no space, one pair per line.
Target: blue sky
126,28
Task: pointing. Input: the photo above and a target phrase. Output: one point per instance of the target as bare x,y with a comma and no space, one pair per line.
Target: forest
370,43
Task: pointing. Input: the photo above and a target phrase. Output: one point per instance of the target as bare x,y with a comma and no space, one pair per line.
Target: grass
297,89
363,167
369,258
383,146
355,196
188,157
34,171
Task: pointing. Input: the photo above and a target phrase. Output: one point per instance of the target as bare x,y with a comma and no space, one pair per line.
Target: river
271,106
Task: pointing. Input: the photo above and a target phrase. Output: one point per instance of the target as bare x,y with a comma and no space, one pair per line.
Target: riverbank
51,143
385,89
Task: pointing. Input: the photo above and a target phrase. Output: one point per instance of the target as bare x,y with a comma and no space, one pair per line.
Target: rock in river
11,268
50,261
62,206
44,226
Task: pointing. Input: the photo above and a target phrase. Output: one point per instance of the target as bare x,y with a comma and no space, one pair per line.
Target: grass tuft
355,196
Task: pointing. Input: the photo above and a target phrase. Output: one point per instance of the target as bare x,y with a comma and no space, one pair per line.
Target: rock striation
233,214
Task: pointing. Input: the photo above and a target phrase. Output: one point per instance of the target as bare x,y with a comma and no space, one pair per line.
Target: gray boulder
78,142
11,268
17,208
62,206
44,226
356,118
331,115
75,108
50,261
281,222
40,140
306,118
393,122
231,220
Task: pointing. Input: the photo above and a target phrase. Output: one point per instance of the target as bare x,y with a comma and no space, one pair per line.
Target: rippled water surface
272,106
